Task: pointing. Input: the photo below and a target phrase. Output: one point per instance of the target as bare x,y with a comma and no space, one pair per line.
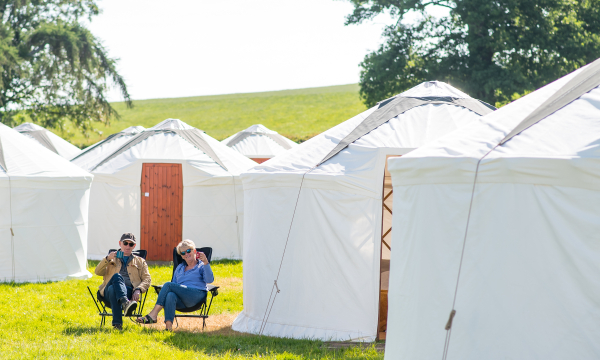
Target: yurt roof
550,136
49,140
23,158
355,147
259,141
92,155
174,140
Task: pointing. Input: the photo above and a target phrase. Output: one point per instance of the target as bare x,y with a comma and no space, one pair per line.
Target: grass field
59,320
297,114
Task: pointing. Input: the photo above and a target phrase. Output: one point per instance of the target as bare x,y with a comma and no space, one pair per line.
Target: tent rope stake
269,303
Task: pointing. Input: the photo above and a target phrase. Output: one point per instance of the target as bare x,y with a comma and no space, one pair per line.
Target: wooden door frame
384,208
144,240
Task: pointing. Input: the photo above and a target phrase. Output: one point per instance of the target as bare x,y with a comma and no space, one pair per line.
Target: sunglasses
127,243
186,252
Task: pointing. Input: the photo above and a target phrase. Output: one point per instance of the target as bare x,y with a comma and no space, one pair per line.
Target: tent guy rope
275,287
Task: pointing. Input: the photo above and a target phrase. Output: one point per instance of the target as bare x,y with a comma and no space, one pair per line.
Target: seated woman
188,287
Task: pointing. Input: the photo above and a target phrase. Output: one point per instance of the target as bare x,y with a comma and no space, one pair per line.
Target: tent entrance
386,247
161,210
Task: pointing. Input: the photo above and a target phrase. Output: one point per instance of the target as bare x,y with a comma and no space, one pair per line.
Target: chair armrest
212,289
157,288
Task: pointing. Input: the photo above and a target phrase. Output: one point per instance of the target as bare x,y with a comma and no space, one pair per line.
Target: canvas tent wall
512,203
259,143
211,203
323,281
44,212
49,140
92,155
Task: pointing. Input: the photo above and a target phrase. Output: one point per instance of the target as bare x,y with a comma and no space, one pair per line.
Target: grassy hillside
297,114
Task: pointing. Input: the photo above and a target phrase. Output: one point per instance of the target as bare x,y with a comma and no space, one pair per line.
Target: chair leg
203,323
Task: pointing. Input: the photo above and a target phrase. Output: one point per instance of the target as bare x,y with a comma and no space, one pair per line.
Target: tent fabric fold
49,140
2,162
42,138
586,80
92,155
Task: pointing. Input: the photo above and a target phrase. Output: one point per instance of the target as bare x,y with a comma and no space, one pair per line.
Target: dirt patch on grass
216,324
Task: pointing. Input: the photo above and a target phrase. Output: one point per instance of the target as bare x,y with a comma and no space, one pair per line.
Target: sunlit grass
59,320
297,114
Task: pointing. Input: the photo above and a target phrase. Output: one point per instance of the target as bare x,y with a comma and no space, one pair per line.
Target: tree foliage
495,50
53,68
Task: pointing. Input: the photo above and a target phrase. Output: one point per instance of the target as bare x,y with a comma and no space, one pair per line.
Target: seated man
125,278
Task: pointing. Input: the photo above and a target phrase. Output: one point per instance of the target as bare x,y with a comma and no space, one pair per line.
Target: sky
184,48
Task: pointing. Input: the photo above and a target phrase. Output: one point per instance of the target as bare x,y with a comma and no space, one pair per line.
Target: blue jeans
115,290
174,296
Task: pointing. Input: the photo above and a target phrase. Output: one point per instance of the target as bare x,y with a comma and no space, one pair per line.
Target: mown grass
297,114
59,320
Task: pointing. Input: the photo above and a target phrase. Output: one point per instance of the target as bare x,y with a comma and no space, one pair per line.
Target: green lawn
59,320
297,114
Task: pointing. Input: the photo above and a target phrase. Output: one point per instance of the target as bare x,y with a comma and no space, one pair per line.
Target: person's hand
202,258
136,295
112,255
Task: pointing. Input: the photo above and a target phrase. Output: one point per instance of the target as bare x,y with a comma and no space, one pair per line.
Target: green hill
297,114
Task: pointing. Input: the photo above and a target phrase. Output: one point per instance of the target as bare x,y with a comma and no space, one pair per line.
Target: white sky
198,47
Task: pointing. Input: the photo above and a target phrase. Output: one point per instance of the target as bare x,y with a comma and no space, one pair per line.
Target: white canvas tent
49,140
92,155
259,143
324,280
44,212
200,199
513,203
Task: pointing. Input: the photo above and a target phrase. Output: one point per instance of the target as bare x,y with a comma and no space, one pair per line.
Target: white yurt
317,219
259,143
498,224
92,155
44,212
168,183
49,140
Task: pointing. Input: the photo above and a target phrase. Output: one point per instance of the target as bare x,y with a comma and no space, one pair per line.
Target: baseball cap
128,236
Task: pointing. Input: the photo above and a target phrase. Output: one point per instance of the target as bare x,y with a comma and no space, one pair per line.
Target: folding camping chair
202,307
104,303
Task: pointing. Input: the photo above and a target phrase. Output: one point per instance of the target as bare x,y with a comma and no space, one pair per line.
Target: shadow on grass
227,341
21,284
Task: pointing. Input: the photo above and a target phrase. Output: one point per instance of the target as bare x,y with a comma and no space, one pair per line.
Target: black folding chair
202,306
105,303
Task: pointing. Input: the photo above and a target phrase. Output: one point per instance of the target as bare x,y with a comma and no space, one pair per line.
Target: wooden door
162,210
387,206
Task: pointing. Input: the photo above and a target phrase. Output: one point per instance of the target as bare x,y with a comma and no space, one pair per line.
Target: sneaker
129,307
118,326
